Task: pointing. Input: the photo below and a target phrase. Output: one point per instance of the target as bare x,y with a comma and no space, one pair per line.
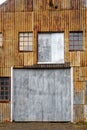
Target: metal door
41,95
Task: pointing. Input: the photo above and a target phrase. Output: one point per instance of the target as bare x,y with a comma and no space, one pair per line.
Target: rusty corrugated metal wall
37,16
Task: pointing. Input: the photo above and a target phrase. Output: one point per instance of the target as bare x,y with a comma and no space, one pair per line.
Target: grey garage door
41,95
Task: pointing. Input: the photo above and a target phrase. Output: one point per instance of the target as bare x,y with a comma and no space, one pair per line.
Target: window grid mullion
27,42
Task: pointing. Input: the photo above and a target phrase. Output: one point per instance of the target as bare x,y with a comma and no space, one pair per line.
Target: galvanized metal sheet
51,47
41,95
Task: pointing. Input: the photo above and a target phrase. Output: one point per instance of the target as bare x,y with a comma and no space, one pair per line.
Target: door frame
72,88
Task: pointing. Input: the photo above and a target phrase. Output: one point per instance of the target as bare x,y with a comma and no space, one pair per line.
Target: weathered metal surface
51,47
23,16
41,95
78,113
79,97
4,112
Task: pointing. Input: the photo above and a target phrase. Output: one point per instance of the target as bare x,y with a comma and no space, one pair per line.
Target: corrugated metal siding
4,112
21,16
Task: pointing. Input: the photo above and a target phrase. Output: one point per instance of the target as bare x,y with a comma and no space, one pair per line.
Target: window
76,41
0,39
51,47
25,41
4,89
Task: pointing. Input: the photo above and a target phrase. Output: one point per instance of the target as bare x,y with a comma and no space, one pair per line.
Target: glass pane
21,39
76,34
71,48
2,83
76,47
2,97
6,79
6,92
71,34
71,38
26,34
2,93
21,34
26,48
30,48
30,43
80,48
80,43
0,35
2,88
6,83
81,38
6,88
71,43
2,79
76,43
30,34
25,39
21,48
30,38
80,34
21,43
0,39
26,43
6,97
76,38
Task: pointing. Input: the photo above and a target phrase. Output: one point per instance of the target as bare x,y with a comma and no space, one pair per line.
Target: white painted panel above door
51,48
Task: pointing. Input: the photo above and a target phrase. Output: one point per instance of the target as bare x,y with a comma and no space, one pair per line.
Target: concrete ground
42,126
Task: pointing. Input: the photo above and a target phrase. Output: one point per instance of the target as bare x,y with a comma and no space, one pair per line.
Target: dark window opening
5,88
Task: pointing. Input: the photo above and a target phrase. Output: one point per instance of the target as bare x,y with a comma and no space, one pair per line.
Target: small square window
25,41
76,41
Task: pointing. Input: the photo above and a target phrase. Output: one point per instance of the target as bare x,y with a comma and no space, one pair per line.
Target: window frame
9,90
79,41
24,41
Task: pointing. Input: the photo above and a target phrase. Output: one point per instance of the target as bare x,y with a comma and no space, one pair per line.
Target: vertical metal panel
42,95
78,113
4,112
71,15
